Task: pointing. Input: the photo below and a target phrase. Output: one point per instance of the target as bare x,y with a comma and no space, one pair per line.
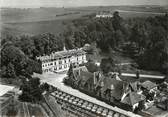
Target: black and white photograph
84,58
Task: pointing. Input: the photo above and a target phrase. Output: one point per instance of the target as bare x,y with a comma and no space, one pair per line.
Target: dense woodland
143,39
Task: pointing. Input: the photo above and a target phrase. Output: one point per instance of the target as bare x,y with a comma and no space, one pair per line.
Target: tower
64,49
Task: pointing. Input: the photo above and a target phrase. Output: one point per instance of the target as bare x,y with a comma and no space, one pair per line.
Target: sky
76,3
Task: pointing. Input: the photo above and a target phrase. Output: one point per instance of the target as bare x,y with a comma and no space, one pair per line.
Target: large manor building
61,60
104,14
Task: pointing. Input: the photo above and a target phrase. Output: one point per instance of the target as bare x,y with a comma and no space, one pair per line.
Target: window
55,68
69,60
77,58
51,63
60,62
60,67
55,63
46,70
65,61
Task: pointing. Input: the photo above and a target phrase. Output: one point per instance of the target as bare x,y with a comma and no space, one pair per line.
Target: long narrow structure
61,60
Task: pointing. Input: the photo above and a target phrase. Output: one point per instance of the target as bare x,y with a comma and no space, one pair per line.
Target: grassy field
41,20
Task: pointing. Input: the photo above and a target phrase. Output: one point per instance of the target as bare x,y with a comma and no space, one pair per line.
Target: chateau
60,61
104,14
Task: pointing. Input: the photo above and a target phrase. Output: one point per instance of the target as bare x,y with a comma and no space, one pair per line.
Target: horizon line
76,6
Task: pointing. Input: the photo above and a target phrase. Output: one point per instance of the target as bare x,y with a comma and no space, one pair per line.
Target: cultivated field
41,20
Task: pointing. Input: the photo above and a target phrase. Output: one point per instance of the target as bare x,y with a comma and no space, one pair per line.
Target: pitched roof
148,85
85,77
117,87
114,75
82,75
134,85
83,68
77,70
133,98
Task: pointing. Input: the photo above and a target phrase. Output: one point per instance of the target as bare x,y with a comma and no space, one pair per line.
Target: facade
60,61
104,15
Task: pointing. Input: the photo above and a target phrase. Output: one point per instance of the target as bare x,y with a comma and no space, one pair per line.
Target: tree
47,43
107,65
10,71
45,87
117,20
70,80
70,71
31,91
91,66
27,46
33,66
13,55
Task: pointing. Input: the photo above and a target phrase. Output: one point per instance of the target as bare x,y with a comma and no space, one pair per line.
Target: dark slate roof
82,68
61,54
85,77
134,85
148,85
133,98
117,87
82,75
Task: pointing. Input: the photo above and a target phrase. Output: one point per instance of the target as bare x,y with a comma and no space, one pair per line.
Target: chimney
99,75
137,74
